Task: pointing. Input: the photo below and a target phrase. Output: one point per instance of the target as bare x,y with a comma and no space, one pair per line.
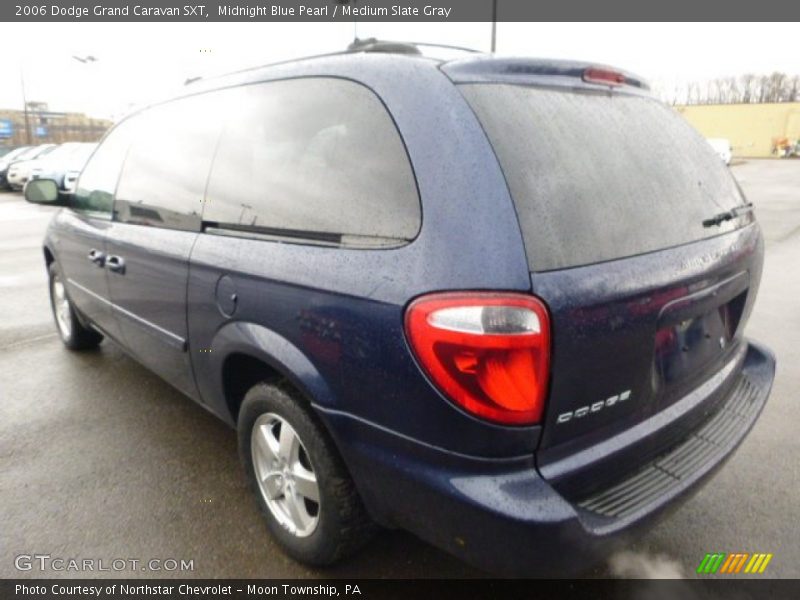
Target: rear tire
301,485
74,335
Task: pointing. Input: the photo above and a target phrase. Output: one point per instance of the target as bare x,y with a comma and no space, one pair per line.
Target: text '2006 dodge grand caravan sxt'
496,302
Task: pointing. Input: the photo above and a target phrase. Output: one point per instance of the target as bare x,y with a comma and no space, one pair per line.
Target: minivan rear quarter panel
361,294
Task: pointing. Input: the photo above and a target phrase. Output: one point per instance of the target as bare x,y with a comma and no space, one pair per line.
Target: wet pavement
100,459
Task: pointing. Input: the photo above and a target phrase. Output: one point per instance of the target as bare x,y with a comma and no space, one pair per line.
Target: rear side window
318,159
599,176
165,172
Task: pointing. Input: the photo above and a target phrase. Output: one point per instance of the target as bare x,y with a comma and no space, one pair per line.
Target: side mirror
44,191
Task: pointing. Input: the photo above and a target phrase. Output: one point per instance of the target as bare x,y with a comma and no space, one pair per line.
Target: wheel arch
49,257
248,353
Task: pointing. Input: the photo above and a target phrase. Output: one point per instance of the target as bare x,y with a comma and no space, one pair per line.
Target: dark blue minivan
498,303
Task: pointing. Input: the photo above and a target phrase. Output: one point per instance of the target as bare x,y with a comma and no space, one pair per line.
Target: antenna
494,26
355,23
355,19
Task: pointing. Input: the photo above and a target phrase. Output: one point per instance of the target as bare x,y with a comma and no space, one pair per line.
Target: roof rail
396,47
376,45
358,45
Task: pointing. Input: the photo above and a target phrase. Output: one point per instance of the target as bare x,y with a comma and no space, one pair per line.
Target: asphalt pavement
101,460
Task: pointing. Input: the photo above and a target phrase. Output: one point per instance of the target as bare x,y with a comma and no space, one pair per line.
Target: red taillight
603,76
488,352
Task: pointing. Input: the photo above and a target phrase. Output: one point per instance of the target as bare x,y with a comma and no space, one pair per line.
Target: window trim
92,214
304,238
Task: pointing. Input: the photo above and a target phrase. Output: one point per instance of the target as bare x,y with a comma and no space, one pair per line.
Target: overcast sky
138,62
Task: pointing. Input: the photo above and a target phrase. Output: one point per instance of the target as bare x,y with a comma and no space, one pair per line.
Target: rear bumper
502,516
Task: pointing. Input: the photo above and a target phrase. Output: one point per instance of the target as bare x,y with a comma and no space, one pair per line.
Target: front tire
301,484
74,335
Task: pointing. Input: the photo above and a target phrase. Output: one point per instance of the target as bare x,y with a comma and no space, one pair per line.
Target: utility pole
494,26
25,108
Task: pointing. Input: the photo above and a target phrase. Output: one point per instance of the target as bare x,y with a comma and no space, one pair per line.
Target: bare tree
776,84
793,89
748,84
712,92
748,89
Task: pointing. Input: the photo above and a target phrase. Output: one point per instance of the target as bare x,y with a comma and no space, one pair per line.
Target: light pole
25,106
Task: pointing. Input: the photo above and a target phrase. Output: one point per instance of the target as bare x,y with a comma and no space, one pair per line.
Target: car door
79,234
156,220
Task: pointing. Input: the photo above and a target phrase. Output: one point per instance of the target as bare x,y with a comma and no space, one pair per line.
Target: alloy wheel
285,475
61,307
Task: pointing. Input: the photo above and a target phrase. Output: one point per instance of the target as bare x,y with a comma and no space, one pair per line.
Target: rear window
599,176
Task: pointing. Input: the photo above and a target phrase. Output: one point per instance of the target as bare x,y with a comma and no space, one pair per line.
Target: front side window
317,159
95,191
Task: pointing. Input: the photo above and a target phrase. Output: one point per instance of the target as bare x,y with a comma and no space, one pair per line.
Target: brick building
47,126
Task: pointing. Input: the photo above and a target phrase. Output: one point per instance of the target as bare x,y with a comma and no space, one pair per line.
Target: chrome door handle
97,257
116,264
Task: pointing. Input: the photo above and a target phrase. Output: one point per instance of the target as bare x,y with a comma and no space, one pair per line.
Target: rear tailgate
634,338
614,193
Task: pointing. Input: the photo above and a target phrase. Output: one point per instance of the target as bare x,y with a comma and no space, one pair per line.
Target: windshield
44,151
62,151
34,152
598,176
68,156
14,154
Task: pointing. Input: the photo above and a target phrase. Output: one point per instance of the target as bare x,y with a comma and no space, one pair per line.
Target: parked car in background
64,164
548,360
723,149
4,150
6,160
19,169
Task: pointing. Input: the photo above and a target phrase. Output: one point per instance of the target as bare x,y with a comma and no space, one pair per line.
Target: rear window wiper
728,215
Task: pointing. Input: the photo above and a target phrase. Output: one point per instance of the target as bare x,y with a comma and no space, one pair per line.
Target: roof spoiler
510,70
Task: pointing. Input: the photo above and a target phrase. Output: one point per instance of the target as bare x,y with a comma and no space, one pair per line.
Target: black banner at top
396,10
